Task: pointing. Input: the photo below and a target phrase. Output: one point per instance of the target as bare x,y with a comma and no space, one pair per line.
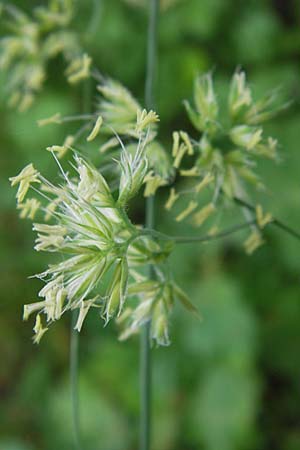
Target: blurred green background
231,382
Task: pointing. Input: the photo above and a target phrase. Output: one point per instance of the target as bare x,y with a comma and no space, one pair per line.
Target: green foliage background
230,382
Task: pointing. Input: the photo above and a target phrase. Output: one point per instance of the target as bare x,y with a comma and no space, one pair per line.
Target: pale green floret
50,237
205,98
227,148
245,136
148,292
31,308
79,69
31,43
205,115
133,172
157,298
54,295
239,94
159,324
144,119
84,309
117,290
92,184
185,137
39,330
253,242
122,113
25,178
152,183
95,131
118,107
56,118
29,208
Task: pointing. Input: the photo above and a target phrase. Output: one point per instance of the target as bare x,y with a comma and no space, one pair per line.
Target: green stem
145,353
74,341
211,237
93,25
187,240
277,223
151,52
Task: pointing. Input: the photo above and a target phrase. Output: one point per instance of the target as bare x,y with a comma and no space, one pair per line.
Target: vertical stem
151,52
74,341
145,353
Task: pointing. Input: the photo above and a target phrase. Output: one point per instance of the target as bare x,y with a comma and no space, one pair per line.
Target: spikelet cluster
222,161
102,253
124,115
33,41
123,118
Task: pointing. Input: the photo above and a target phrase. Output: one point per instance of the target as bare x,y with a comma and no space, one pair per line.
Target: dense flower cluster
124,115
104,254
223,159
125,119
32,42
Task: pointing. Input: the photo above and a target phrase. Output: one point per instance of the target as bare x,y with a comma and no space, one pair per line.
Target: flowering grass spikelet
79,69
103,254
205,115
261,218
24,179
31,42
239,93
153,182
246,136
230,142
201,216
90,229
29,208
95,131
38,329
118,107
187,211
144,119
253,242
172,199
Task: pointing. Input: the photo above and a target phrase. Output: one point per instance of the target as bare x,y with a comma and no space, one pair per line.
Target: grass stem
145,352
74,344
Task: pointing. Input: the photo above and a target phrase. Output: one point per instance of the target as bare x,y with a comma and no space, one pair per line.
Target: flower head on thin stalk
99,246
124,115
156,300
123,118
223,159
33,41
